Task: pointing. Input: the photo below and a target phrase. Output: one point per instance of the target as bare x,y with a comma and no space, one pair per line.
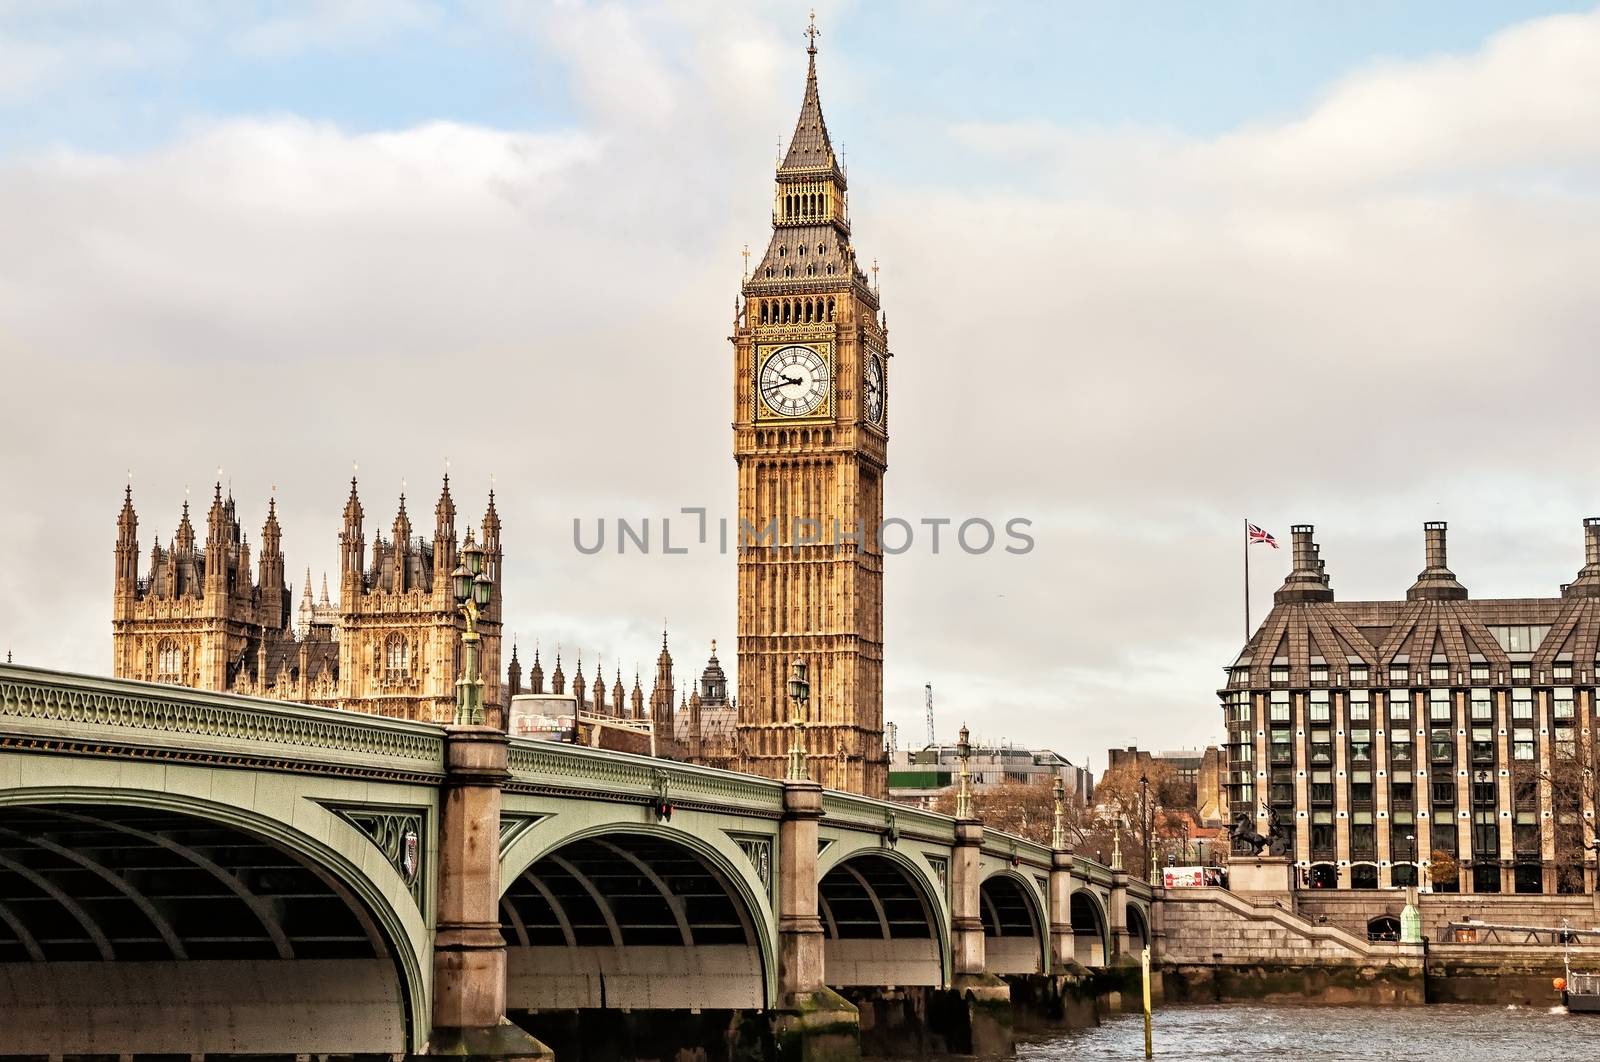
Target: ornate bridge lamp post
964,783
473,590
1058,833
799,694
1144,827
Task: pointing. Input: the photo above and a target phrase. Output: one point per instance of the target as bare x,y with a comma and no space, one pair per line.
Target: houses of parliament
810,368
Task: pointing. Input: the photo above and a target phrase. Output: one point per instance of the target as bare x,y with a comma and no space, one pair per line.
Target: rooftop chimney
1308,581
1587,584
1435,582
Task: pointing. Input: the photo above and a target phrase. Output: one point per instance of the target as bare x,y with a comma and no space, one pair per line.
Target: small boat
1582,994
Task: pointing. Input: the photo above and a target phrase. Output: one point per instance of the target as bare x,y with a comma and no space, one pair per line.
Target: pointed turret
598,691
810,212
536,673
271,577
809,148
578,685
1436,582
352,544
618,694
493,556
401,580
514,673
661,691
308,607
127,552
558,680
636,699
444,538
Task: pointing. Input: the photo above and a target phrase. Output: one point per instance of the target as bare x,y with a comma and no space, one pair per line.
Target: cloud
1376,312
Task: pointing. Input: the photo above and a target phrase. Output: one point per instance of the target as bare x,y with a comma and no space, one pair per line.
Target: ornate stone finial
745,253
812,33
1116,847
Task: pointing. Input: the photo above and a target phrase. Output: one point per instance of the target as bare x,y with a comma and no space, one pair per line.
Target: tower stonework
810,371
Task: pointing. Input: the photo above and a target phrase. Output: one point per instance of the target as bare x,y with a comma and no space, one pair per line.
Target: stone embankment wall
1222,946
1353,909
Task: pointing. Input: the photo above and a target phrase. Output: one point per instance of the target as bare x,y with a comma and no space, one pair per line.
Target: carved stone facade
390,646
810,373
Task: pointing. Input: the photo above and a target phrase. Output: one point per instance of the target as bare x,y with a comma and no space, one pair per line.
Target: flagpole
1247,580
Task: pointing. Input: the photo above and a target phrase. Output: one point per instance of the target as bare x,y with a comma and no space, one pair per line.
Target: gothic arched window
169,662
396,657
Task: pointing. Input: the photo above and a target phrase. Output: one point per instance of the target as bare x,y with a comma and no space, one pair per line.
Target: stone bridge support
982,1001
1124,949
1063,939
813,1021
469,959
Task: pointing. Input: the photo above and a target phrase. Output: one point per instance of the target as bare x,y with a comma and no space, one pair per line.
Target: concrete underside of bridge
128,930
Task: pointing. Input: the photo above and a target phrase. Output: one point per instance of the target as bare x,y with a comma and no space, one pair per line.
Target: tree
1026,809
1570,783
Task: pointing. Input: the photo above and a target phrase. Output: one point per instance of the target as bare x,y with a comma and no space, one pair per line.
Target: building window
1318,709
1482,706
169,662
1399,673
396,657
1400,745
1439,706
1561,671
1519,639
1483,744
1439,671
1521,673
1280,674
1441,744
1322,787
1241,676
1321,746
1480,672
1359,674
1522,703
1561,702
1360,745
1280,707
1319,674
1522,743
1444,791
1400,704
1282,746
1360,706
1361,787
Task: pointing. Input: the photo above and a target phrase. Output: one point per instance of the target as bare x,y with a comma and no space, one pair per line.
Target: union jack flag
1258,536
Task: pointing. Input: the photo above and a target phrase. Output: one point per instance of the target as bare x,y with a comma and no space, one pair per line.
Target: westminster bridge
193,875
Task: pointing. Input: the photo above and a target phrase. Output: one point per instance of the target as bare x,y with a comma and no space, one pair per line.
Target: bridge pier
1123,949
469,953
813,1023
979,1018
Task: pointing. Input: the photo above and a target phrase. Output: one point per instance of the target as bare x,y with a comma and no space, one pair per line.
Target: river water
1334,1034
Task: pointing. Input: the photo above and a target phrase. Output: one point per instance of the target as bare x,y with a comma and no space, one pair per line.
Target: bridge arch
1090,929
882,921
1138,925
234,930
650,916
1014,924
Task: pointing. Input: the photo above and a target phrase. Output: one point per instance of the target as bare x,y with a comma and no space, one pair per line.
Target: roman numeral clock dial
793,381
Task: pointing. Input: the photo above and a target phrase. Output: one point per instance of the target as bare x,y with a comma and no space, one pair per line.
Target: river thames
1345,1034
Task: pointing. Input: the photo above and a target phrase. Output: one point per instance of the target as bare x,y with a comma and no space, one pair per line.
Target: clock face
872,388
793,381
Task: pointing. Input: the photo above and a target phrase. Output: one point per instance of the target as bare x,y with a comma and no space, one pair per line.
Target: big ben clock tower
810,375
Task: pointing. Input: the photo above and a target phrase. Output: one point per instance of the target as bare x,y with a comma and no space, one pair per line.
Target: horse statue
1243,833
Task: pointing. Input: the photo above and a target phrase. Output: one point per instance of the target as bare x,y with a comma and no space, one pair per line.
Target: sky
1149,270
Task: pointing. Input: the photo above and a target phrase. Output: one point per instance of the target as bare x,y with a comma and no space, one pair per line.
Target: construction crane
927,689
